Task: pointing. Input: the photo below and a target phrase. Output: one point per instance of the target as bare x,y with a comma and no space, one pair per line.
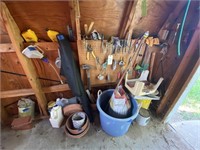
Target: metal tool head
87,67
89,48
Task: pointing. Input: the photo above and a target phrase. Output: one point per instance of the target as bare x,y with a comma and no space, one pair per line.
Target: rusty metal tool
87,68
90,51
177,27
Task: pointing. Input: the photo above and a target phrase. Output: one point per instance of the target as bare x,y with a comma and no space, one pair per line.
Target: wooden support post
181,69
75,17
26,63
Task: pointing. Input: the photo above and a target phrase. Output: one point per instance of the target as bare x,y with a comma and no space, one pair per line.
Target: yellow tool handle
90,27
86,28
93,55
88,56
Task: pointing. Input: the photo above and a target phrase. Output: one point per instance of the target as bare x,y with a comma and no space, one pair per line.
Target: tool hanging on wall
132,57
70,33
29,36
52,35
87,30
34,51
116,44
102,44
150,41
176,31
163,51
114,65
95,35
103,70
182,26
90,28
90,51
58,60
87,68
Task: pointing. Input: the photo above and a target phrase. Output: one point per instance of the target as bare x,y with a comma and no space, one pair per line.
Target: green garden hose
182,25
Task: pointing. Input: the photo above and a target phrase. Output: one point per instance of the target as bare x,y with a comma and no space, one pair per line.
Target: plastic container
56,117
114,126
144,102
143,117
26,107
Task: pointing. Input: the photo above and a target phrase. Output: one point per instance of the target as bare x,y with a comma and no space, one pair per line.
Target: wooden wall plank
27,65
157,12
11,63
27,92
106,14
180,70
172,61
182,89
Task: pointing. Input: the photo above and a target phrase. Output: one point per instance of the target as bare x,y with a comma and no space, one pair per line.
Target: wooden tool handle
86,29
90,27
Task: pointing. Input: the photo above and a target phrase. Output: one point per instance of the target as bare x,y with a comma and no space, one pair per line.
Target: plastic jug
56,117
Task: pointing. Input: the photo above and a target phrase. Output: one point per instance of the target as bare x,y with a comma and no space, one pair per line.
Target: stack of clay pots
77,126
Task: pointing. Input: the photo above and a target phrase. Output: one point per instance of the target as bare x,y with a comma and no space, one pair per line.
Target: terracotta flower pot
77,135
71,129
72,108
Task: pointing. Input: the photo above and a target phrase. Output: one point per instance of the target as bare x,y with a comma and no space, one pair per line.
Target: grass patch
190,108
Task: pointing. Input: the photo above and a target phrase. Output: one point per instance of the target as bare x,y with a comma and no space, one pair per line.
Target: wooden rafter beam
127,19
27,92
17,42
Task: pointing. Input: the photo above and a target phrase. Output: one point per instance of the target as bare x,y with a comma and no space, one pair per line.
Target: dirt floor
154,136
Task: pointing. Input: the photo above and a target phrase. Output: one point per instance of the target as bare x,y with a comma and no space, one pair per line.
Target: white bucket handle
99,93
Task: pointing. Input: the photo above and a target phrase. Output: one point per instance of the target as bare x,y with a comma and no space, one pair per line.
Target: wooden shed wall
110,18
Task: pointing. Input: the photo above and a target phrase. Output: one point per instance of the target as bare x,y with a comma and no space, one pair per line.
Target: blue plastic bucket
114,126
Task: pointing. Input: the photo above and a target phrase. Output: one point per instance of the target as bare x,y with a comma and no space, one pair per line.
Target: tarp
70,70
